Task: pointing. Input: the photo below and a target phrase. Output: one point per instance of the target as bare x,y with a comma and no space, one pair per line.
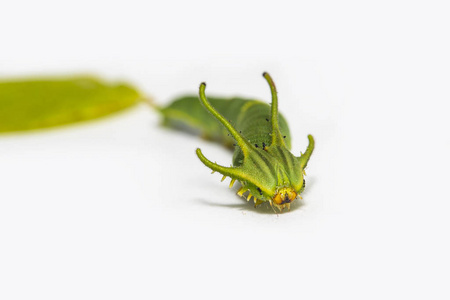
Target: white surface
122,209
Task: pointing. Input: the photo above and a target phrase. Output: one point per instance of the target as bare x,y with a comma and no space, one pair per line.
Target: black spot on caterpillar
259,190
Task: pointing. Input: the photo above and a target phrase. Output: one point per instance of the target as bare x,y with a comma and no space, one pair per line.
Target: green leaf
46,102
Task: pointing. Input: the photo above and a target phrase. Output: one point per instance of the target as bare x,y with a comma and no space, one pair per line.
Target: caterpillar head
272,174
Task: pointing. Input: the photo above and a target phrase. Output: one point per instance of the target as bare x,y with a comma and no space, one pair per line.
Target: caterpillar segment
242,191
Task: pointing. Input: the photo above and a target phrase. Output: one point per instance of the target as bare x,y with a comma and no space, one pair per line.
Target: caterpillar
262,161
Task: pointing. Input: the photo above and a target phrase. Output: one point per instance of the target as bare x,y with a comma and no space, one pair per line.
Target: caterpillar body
262,161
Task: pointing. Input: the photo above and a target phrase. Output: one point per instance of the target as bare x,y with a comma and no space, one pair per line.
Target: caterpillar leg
258,202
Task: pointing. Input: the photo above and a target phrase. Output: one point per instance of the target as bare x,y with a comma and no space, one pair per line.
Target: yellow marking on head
284,195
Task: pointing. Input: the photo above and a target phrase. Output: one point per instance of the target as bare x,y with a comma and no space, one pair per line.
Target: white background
122,209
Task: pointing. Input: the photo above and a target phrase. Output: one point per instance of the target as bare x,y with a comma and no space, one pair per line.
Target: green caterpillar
262,162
